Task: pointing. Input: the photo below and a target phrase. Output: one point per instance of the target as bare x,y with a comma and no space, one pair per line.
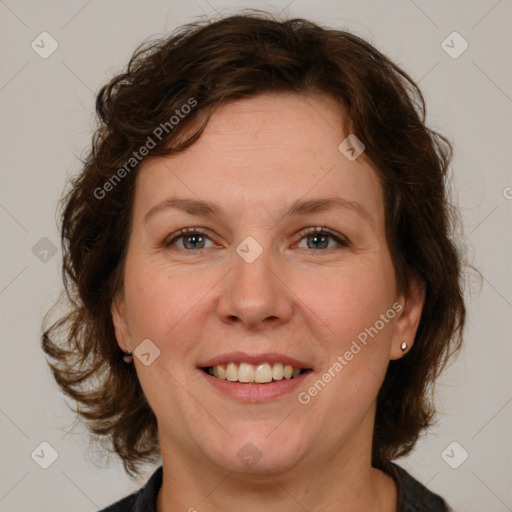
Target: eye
318,238
193,239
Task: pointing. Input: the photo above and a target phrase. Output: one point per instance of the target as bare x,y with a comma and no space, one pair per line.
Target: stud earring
128,358
403,346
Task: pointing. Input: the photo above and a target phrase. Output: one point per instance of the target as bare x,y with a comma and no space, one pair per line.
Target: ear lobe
118,312
408,318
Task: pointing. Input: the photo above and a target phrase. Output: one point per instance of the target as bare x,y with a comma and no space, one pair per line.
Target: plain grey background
47,115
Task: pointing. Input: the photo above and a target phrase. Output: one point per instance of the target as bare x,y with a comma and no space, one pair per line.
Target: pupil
322,245
195,239
191,241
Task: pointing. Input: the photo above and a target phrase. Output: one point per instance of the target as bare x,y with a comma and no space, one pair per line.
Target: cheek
350,299
155,299
164,302
357,306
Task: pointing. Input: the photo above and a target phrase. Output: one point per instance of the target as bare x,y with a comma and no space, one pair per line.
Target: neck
343,482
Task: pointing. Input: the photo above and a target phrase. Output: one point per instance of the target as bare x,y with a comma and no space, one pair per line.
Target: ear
408,317
118,312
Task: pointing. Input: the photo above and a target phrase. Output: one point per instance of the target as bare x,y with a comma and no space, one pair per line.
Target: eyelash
341,241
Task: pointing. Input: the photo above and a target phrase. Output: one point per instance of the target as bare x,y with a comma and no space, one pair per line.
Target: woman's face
252,289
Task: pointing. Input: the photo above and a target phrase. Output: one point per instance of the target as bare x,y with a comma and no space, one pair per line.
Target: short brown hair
212,62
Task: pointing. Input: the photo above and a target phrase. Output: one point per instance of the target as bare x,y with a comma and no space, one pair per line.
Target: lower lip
254,393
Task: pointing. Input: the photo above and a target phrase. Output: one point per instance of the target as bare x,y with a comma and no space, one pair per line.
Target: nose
254,294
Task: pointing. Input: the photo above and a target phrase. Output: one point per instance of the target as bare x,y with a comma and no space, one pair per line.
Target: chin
255,453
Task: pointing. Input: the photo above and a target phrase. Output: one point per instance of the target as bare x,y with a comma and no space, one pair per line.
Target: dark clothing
412,496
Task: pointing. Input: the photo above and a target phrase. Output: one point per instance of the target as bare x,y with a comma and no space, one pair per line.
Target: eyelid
168,241
319,229
340,239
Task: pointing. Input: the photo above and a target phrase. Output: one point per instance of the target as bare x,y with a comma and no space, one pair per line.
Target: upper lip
243,357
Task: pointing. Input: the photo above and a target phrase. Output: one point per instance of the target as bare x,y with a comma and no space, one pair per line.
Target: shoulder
125,505
414,496
144,500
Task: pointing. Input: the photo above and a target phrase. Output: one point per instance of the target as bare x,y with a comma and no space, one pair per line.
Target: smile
262,373
253,378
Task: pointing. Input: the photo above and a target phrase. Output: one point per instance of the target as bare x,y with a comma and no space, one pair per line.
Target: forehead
264,152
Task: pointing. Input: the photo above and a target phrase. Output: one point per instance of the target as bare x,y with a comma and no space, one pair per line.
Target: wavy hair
212,62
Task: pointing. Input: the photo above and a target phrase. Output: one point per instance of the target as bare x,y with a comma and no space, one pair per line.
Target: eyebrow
298,208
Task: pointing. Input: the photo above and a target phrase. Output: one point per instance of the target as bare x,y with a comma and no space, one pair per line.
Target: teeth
278,371
232,372
246,372
261,373
220,372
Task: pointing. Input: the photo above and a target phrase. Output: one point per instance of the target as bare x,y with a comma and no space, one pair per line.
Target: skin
299,298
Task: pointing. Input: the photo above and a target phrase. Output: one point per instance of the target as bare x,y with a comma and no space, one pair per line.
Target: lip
244,357
254,393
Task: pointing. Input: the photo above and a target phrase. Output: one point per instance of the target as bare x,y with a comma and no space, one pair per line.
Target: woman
262,282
